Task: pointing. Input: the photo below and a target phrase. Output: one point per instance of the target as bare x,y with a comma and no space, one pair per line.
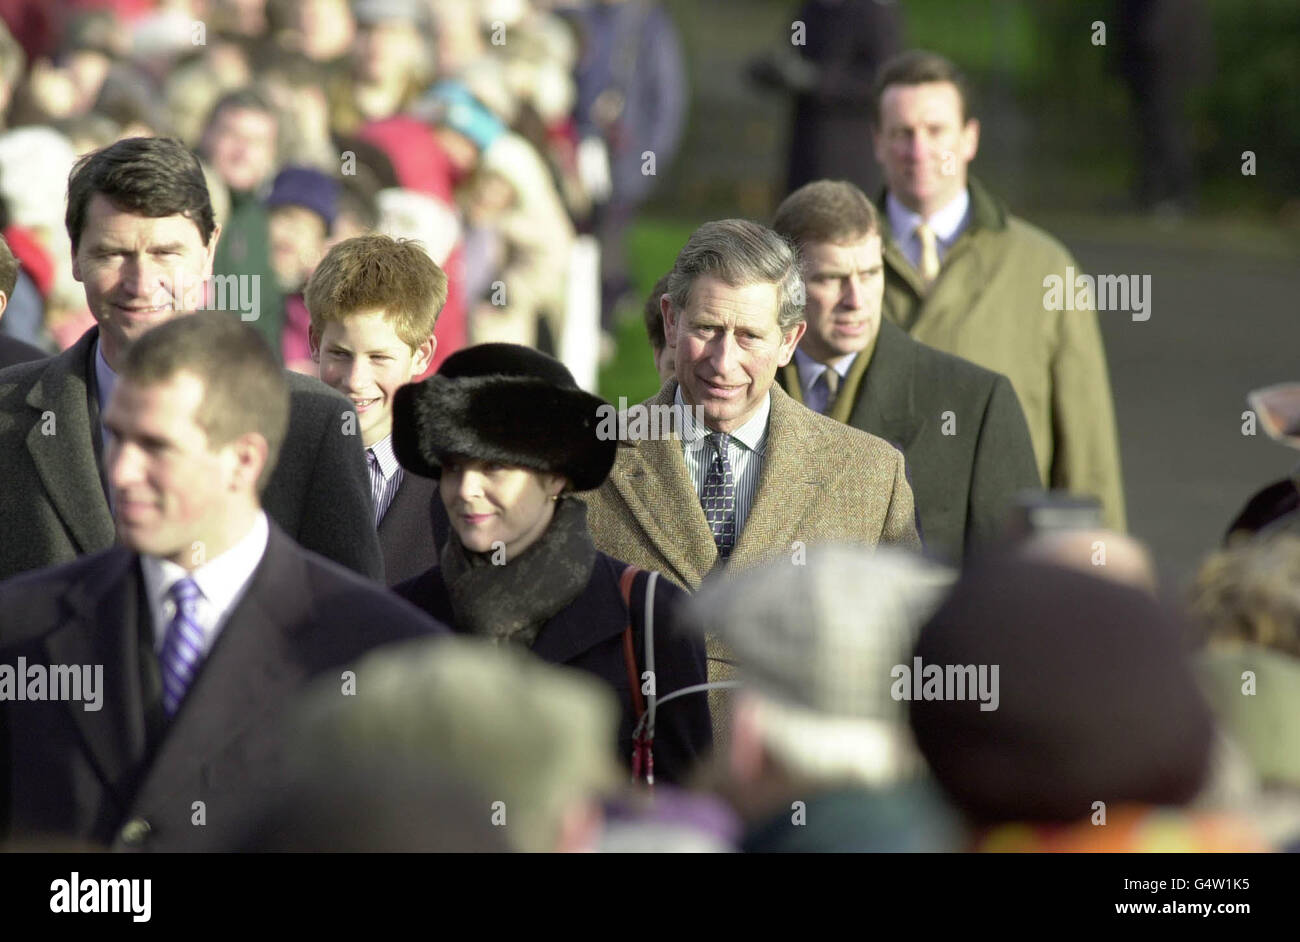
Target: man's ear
212,250
670,321
4,303
789,341
422,357
251,453
970,139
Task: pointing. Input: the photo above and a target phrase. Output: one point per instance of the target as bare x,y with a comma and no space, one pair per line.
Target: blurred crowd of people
496,133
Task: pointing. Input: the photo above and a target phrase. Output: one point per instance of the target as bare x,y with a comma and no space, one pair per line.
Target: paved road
1222,323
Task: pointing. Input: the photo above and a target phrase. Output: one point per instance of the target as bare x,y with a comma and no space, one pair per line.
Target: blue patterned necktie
182,645
719,500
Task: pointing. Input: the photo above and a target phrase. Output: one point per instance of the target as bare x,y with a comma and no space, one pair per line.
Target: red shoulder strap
629,651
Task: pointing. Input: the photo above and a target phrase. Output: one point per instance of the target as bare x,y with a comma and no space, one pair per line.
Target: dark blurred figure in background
1095,735
830,75
1165,52
631,111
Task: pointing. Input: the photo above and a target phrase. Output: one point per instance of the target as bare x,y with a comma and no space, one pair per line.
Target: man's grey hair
740,252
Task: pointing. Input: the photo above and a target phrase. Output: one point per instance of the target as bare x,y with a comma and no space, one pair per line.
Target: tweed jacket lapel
658,490
786,485
101,627
63,450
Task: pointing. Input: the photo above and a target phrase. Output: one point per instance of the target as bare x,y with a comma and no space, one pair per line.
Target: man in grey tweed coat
743,473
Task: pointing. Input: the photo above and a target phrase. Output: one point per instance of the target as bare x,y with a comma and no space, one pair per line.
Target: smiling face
174,495
139,271
492,506
923,146
363,358
845,284
728,348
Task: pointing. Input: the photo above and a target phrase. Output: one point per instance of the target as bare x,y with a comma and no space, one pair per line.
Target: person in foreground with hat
1098,738
509,435
819,757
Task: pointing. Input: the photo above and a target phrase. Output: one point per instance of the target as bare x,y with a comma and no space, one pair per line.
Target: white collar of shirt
810,370
387,458
222,580
948,223
753,434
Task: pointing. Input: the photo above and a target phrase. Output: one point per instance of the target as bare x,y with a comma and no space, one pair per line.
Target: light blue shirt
745,452
810,374
948,223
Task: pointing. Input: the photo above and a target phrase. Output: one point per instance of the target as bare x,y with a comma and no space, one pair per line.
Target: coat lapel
654,483
886,405
102,627
246,676
63,450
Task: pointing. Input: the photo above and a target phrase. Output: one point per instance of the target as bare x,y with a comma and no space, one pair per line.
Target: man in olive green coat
959,426
964,275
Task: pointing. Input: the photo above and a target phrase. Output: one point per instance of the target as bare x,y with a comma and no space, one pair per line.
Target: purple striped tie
182,645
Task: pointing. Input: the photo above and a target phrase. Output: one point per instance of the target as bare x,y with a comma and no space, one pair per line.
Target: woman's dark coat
588,635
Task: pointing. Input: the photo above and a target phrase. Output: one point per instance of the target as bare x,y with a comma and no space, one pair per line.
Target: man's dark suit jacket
53,506
15,351
965,482
113,777
413,529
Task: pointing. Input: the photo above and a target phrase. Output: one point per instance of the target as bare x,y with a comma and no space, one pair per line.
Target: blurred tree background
1059,134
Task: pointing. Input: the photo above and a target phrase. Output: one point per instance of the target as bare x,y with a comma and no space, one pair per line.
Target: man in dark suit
143,239
12,350
374,302
193,637
959,426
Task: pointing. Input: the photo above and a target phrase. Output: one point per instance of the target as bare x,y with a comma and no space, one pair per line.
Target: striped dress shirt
745,451
385,476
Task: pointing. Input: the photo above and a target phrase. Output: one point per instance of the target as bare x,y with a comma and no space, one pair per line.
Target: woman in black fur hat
509,435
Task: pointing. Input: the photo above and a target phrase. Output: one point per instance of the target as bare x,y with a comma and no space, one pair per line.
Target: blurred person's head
197,418
302,205
390,43
240,140
143,236
816,646
92,42
322,30
835,229
295,86
374,303
531,738
1250,594
924,133
8,274
1103,553
506,431
357,214
653,314
458,35
1092,697
464,126
734,310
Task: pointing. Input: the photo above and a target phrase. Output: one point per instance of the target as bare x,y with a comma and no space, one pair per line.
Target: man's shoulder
948,375
30,602
1029,243
829,440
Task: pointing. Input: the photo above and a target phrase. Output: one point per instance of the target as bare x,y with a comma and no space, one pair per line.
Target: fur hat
505,403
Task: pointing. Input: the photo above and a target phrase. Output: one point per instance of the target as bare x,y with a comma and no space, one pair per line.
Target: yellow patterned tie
929,267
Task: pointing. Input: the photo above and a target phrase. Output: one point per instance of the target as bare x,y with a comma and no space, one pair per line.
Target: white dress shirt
947,224
745,452
222,581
